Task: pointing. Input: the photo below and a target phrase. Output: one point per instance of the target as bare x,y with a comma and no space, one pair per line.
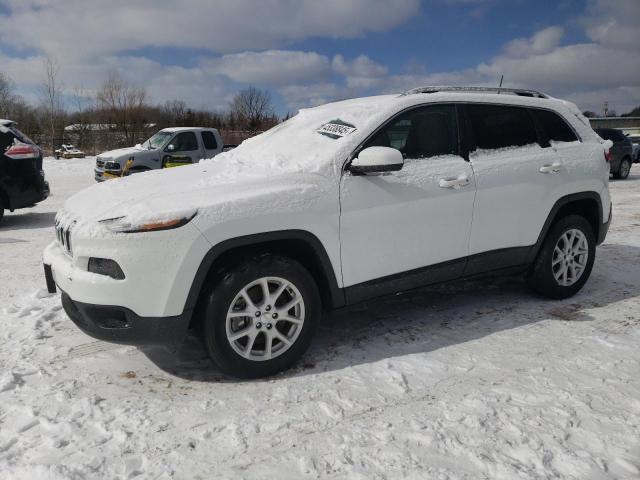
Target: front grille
63,233
99,163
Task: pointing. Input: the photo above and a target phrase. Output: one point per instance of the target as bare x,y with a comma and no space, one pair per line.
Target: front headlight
112,166
125,225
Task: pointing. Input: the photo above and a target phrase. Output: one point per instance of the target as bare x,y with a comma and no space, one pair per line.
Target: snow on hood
120,152
292,156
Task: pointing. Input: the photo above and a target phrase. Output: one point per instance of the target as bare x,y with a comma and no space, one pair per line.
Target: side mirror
377,159
171,147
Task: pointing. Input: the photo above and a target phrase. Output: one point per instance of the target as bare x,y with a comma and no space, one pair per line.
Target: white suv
342,203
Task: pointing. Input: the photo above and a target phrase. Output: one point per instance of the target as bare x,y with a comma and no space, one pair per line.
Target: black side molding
337,294
574,197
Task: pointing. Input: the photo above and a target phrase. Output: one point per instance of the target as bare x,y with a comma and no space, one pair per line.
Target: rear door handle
458,182
551,168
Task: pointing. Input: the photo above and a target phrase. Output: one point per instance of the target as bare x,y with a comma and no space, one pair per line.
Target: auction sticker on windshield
336,129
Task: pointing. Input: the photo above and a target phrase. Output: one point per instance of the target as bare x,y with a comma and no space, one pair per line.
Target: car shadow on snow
21,220
432,318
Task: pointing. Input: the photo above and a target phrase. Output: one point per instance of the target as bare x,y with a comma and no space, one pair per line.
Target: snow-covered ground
478,380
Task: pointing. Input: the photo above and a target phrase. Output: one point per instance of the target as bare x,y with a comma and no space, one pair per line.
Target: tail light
22,150
607,155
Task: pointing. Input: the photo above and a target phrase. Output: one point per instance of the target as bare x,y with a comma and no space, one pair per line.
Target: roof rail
498,90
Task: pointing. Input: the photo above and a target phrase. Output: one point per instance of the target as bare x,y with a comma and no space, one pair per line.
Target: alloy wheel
265,318
570,257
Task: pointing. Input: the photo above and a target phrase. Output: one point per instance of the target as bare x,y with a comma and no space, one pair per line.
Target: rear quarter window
555,128
21,136
501,126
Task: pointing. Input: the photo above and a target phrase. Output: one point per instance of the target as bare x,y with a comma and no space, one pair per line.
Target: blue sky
310,52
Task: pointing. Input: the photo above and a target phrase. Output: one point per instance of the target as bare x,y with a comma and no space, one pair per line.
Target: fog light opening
105,266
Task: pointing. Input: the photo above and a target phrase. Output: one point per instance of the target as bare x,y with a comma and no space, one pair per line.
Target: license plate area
48,276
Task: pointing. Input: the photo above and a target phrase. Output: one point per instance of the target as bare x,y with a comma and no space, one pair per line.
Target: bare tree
124,104
176,112
51,93
251,108
6,95
82,117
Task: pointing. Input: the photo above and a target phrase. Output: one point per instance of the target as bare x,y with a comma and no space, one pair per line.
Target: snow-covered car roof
329,133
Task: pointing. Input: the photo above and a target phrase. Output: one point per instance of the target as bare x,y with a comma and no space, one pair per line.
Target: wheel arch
300,245
585,204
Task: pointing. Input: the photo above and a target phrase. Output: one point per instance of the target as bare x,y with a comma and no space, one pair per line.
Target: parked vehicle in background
635,145
169,147
22,182
339,204
620,152
68,151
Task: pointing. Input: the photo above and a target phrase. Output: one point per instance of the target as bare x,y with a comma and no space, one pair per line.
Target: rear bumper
120,325
30,196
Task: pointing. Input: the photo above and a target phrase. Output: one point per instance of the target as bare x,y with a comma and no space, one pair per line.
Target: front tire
623,169
565,260
261,316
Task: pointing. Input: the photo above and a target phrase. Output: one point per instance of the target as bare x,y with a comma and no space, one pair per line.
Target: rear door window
554,127
421,133
501,126
209,140
185,142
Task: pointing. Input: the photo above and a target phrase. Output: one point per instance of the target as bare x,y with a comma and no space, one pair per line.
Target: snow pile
476,380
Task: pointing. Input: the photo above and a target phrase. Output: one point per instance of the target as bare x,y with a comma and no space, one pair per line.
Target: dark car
620,152
22,182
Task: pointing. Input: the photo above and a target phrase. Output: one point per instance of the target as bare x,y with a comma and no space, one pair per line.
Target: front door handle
458,182
551,168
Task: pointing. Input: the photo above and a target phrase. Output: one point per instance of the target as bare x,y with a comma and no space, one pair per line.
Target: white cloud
362,66
70,29
542,41
300,96
272,67
605,68
569,68
362,72
614,24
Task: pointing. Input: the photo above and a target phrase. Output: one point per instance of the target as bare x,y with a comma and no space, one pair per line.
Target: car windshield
158,140
310,140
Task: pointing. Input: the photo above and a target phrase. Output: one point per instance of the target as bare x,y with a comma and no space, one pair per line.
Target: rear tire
565,260
250,334
623,169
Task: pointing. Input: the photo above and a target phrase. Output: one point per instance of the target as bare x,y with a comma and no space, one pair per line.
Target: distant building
629,125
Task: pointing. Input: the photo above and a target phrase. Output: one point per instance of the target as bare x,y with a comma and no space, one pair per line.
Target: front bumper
159,268
120,325
101,174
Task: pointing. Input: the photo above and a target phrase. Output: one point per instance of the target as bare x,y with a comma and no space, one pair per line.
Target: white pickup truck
168,148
